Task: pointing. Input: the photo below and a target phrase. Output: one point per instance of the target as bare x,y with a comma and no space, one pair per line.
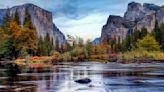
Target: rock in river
83,81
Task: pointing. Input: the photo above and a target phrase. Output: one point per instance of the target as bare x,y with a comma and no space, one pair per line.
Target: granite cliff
136,16
41,19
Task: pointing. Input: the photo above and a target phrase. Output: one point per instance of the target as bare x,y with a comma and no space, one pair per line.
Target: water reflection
111,77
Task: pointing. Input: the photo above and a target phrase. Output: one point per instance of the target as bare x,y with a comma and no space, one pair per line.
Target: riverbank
46,62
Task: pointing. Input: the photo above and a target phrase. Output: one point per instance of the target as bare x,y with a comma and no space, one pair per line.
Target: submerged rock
83,81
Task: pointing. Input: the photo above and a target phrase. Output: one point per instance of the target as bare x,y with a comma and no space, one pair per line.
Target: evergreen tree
16,17
118,45
162,36
128,42
157,32
8,48
47,41
57,47
136,35
143,32
41,51
88,48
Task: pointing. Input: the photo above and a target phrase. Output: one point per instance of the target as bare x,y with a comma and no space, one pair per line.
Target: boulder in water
83,81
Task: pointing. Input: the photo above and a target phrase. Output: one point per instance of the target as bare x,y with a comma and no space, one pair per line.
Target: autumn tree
8,35
148,43
27,38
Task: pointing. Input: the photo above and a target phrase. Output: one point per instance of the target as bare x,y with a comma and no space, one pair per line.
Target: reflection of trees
122,73
12,72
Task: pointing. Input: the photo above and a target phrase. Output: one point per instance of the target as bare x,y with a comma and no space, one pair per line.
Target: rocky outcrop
136,11
116,28
160,15
148,22
41,19
136,16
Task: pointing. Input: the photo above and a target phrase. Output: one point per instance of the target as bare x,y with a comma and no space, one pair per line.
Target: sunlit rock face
41,19
136,16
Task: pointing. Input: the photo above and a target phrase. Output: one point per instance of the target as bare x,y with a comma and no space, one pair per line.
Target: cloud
88,27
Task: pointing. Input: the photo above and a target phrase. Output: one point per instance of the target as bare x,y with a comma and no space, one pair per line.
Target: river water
106,77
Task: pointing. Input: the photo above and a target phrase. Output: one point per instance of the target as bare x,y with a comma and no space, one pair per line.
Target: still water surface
110,77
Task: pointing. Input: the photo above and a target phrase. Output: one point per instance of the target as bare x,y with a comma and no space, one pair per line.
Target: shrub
56,56
66,56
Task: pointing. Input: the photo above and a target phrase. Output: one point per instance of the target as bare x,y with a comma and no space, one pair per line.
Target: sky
83,18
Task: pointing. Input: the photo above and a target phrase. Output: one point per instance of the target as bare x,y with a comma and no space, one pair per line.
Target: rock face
41,19
116,28
136,11
136,16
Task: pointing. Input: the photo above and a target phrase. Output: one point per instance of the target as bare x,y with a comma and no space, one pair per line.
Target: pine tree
8,48
16,17
57,47
41,51
47,41
157,32
143,32
88,47
128,42
162,36
136,35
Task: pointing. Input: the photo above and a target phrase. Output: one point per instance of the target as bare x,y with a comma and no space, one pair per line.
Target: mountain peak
150,6
137,11
134,6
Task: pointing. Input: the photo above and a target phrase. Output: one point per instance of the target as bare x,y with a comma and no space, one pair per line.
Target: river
106,77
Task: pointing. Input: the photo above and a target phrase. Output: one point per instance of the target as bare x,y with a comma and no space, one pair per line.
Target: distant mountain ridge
137,16
41,19
96,41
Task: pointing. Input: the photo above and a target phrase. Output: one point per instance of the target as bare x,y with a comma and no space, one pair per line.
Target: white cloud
88,27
